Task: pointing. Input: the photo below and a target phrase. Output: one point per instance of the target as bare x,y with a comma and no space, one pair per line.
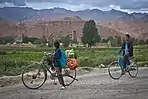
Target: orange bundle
72,63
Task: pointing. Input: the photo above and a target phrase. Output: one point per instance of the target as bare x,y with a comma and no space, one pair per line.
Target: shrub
12,67
3,52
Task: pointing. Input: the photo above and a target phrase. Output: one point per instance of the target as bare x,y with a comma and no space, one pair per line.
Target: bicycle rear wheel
69,76
34,76
133,69
115,70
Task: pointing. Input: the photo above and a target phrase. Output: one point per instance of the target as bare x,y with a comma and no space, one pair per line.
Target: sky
122,5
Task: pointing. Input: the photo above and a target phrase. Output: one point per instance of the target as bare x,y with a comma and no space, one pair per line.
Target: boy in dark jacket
57,56
127,49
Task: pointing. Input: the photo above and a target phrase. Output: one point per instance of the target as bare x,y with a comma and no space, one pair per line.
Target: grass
12,61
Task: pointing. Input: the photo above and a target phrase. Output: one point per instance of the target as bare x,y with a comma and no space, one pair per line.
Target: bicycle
119,70
38,72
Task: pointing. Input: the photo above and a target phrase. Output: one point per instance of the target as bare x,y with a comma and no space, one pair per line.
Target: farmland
13,60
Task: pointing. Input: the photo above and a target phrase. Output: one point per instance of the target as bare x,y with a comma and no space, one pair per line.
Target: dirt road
94,85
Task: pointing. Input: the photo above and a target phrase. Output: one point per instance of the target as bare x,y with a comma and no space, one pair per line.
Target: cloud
6,4
15,2
134,5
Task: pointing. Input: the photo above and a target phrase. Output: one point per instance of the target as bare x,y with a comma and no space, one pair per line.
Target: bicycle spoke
33,76
69,76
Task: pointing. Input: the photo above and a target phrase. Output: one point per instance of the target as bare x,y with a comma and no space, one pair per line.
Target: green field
13,60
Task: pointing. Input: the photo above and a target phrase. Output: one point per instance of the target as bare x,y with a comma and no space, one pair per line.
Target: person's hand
126,50
119,51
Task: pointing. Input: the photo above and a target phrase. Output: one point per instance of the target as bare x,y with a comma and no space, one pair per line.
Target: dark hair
56,44
127,35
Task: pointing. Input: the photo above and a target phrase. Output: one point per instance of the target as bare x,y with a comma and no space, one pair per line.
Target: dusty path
94,85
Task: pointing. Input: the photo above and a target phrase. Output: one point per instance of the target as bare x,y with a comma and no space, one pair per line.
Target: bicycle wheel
115,70
34,76
133,69
69,76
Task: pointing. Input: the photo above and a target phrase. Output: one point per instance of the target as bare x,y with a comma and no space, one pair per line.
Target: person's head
56,44
127,37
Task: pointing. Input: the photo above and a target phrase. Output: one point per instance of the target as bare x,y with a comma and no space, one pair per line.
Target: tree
146,41
90,33
7,39
66,41
104,40
37,41
33,40
112,40
135,41
119,40
141,42
44,39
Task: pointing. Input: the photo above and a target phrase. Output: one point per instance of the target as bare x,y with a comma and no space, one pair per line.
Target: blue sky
123,5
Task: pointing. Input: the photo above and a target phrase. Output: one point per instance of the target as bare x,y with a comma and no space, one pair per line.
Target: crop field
13,60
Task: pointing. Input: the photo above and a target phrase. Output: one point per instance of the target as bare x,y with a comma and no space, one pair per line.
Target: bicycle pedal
76,79
55,83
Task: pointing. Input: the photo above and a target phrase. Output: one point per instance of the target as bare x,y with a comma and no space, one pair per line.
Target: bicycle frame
44,64
120,60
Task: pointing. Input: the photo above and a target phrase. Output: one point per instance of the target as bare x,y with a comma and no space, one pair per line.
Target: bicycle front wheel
34,76
115,70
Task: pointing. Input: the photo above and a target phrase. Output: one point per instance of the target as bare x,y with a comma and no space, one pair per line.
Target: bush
13,60
15,52
2,52
12,67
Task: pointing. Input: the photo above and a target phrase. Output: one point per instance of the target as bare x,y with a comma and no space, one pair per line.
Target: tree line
91,37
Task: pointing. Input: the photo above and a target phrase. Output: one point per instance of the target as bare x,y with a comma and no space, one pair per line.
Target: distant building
73,36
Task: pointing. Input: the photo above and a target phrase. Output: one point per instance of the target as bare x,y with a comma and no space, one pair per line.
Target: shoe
63,88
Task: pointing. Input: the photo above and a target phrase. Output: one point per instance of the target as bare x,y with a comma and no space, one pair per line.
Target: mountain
111,23
7,28
21,14
55,28
136,28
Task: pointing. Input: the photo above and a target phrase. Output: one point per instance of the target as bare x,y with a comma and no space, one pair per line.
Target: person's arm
58,54
131,45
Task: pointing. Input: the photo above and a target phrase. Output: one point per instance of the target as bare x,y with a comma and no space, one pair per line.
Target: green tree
135,41
113,41
33,40
104,40
146,41
141,42
66,41
7,39
90,33
110,38
44,39
37,41
118,40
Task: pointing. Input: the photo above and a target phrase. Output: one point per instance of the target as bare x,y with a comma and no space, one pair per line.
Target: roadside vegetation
12,61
